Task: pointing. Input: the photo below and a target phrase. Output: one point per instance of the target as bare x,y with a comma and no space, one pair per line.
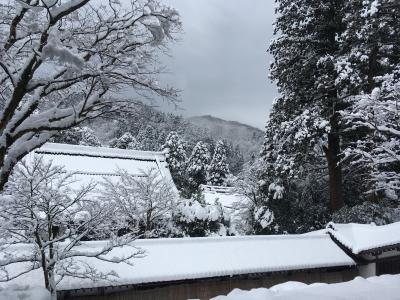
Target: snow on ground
173,259
362,237
25,293
226,199
385,287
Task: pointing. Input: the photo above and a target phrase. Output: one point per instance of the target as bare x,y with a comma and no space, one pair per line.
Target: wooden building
201,268
375,249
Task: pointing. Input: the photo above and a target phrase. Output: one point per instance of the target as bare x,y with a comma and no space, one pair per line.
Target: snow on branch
62,60
46,216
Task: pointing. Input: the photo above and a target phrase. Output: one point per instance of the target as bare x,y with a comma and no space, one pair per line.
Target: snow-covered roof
364,237
195,258
227,200
94,163
227,196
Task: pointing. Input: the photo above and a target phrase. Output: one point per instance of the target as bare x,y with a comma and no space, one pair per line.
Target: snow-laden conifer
218,170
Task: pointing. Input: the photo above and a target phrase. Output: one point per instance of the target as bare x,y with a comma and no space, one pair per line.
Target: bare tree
61,62
44,220
145,202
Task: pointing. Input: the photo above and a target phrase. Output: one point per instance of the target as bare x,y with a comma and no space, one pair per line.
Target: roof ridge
75,148
232,238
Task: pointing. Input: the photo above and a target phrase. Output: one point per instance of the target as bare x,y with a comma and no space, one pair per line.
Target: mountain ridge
248,138
211,118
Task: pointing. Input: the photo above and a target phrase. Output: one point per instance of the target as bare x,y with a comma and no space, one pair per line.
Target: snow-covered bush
195,218
365,213
144,203
41,211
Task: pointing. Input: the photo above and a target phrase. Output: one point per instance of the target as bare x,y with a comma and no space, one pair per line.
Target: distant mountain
248,138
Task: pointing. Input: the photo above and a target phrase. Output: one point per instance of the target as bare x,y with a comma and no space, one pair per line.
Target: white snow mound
24,293
374,288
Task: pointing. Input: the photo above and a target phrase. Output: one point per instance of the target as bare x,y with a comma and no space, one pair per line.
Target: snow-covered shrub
365,213
144,203
195,218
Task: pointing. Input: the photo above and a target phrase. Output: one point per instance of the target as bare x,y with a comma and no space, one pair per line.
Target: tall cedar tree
369,78
303,131
218,169
196,167
176,158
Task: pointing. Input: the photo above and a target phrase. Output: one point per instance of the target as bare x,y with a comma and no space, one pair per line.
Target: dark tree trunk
335,172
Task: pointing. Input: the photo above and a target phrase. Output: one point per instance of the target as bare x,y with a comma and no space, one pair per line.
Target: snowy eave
196,258
365,237
77,150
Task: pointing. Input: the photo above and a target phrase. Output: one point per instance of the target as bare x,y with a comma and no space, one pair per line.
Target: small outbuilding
376,249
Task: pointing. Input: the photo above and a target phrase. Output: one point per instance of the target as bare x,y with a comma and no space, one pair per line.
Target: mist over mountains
248,138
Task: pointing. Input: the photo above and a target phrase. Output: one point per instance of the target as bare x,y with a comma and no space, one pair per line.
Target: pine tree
126,141
196,167
176,158
218,169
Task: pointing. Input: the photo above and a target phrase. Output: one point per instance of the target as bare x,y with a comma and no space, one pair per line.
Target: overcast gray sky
221,62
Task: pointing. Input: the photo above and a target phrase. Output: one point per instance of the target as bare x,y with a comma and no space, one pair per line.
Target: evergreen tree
235,158
218,169
329,58
196,167
88,137
77,136
176,158
370,66
303,131
126,141
147,139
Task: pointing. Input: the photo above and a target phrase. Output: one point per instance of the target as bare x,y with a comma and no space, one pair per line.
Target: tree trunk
335,172
50,282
